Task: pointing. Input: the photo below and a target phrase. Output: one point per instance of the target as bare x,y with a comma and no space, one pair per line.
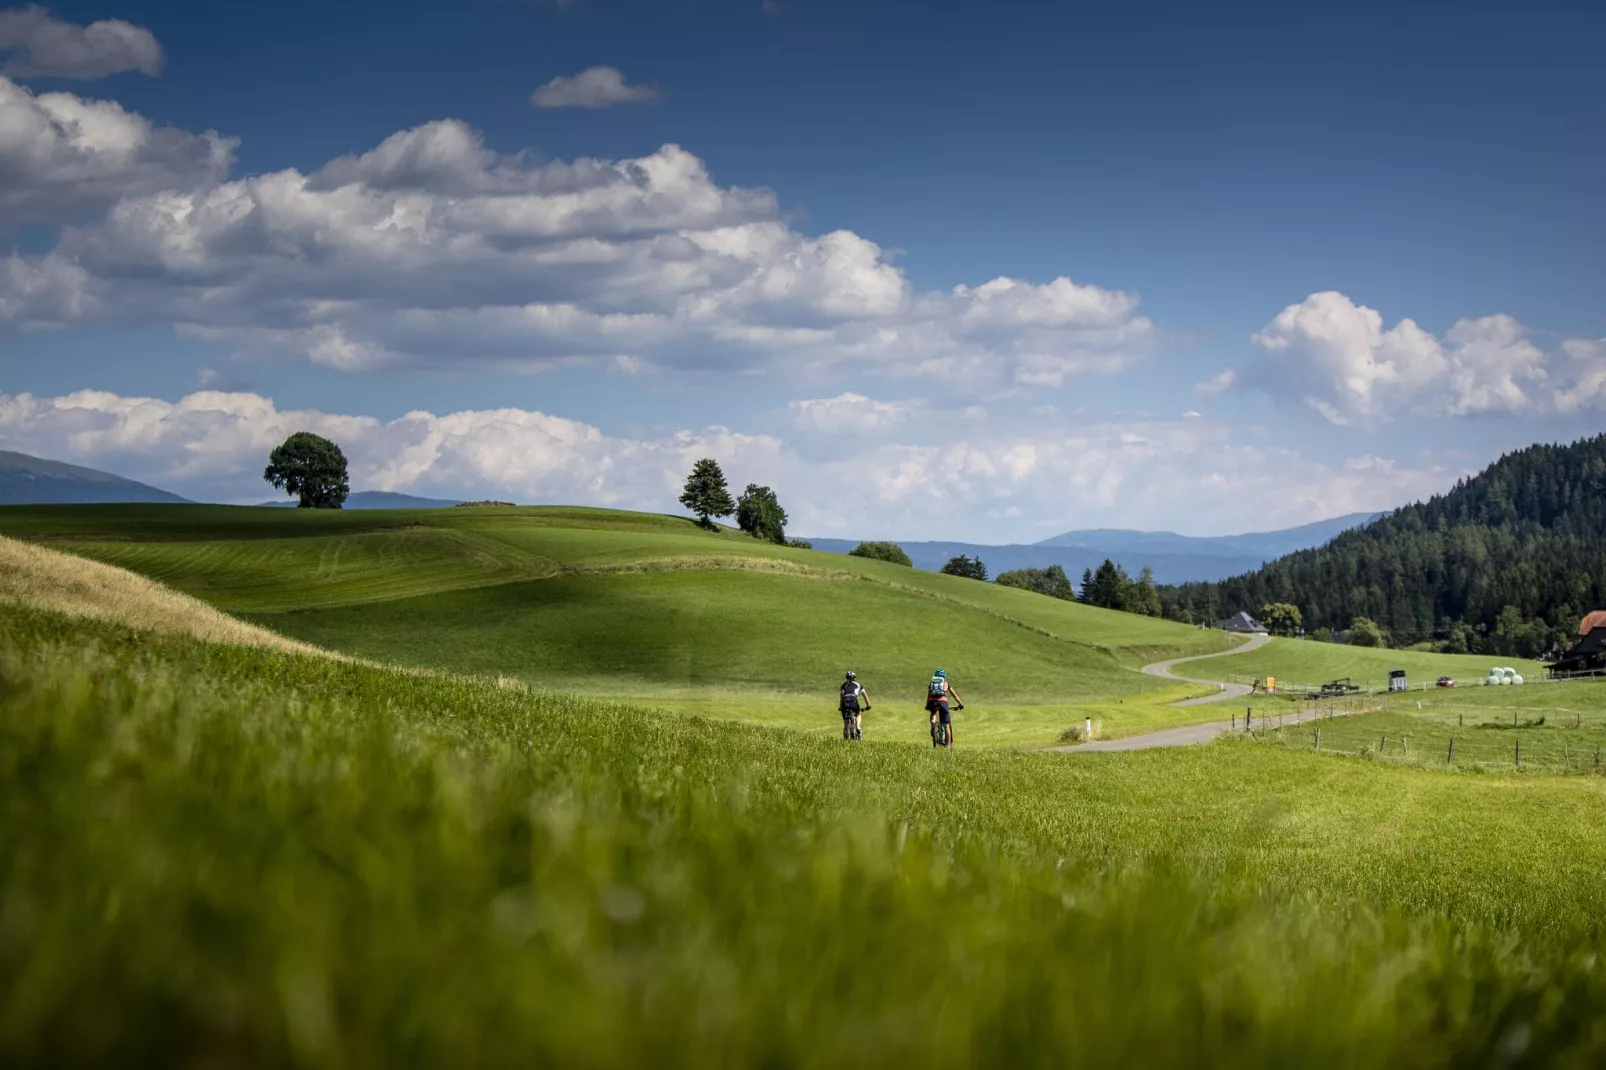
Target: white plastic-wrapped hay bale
1516,677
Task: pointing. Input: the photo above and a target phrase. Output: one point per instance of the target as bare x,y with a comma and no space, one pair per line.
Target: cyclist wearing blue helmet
938,691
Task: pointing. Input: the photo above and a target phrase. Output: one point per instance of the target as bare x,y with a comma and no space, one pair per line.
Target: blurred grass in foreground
213,856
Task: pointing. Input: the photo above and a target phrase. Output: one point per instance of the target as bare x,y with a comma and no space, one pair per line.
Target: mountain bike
939,731
850,725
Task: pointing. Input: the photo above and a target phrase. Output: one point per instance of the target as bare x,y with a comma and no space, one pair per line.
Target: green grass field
1555,728
1303,661
649,609
222,856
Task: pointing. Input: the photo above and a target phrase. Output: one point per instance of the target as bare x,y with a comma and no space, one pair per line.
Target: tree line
1505,563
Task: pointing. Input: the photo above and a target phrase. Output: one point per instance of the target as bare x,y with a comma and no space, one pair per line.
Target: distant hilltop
26,480
1174,558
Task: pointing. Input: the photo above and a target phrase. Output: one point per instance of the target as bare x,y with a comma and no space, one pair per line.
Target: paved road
1189,734
1163,668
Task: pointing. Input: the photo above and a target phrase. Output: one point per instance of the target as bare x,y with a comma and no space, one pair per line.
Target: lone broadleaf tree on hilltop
310,467
705,493
759,513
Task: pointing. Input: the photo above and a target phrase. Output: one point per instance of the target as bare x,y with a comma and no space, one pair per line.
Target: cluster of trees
758,511
969,567
1051,581
1110,587
1506,563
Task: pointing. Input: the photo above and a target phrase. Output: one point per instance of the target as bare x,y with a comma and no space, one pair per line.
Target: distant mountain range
1174,558
381,499
26,480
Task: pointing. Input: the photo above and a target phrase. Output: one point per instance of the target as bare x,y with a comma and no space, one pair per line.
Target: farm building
1243,624
1589,653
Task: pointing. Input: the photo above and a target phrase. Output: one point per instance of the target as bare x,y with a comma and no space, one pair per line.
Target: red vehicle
1445,681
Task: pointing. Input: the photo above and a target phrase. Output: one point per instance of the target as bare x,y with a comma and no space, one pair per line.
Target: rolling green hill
644,607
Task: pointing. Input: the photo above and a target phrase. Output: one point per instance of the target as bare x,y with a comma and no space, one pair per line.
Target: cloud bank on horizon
433,252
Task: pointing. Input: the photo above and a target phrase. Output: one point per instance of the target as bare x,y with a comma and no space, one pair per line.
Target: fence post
1382,745
1461,719
1566,756
1235,722
1519,754
1450,760
1248,716
1318,737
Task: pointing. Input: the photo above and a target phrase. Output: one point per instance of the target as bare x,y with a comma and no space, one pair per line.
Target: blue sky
1255,265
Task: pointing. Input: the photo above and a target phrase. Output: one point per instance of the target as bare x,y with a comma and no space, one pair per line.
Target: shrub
1051,581
882,551
1367,632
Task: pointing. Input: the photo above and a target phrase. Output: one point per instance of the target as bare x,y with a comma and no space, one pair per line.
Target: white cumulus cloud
37,44
850,412
1337,358
61,154
594,87
433,249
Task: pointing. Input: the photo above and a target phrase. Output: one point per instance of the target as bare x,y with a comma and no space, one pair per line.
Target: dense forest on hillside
1505,563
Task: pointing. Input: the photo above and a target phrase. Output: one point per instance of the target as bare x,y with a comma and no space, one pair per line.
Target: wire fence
1535,738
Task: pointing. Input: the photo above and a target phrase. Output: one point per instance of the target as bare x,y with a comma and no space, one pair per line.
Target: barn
1588,655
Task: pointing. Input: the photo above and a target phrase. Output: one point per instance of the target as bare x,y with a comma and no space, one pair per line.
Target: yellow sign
1271,685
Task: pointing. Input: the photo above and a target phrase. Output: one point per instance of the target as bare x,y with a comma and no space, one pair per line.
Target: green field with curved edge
651,609
1297,662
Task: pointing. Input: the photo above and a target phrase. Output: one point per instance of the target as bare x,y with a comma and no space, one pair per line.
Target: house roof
1592,621
1593,643
1243,621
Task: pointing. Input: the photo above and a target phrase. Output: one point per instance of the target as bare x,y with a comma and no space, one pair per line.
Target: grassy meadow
647,609
231,855
1305,661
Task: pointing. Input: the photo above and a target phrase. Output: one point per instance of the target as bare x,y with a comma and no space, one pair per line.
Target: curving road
1163,668
1187,734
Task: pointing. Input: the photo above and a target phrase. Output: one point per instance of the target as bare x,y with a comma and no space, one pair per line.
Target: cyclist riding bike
854,699
938,691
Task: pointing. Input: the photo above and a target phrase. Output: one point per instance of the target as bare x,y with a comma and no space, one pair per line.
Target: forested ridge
1506,562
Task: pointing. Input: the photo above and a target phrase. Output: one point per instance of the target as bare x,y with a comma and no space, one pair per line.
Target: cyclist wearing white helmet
854,699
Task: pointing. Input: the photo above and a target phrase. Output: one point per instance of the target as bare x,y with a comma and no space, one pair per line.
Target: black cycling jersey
851,690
